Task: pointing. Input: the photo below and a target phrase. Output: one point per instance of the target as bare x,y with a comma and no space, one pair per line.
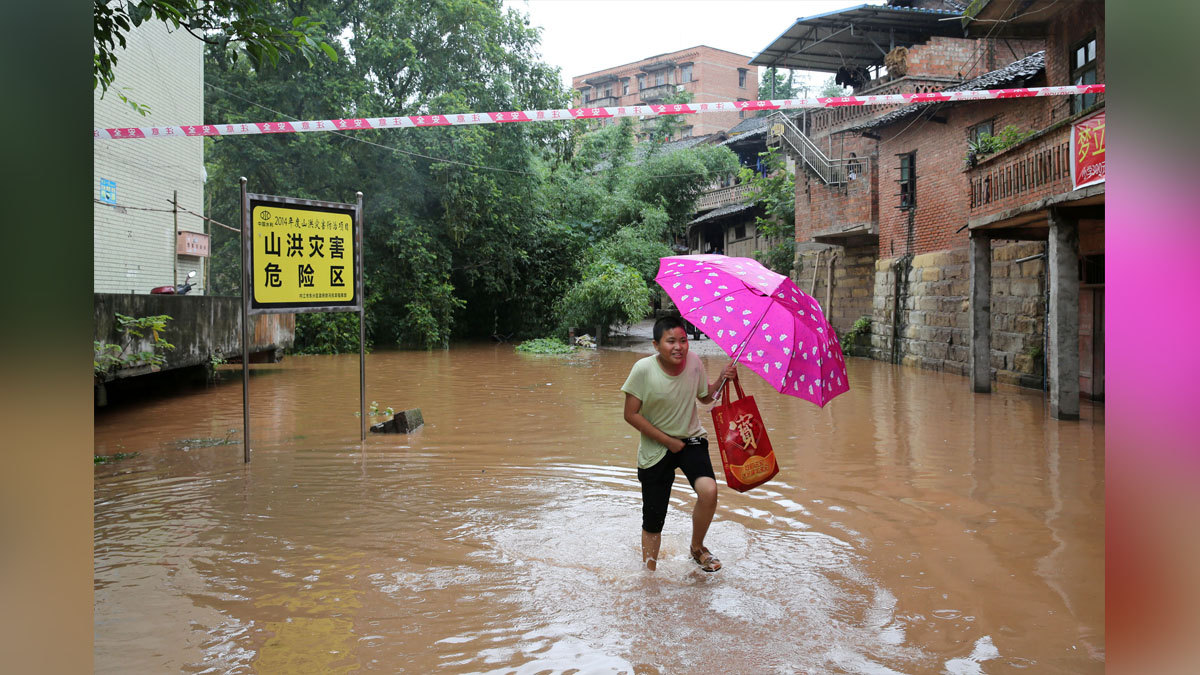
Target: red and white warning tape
453,119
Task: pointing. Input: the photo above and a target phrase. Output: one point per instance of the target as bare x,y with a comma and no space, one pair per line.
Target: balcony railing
1042,165
656,93
733,194
604,102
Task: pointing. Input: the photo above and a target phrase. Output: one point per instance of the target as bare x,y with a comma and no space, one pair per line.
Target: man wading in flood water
661,397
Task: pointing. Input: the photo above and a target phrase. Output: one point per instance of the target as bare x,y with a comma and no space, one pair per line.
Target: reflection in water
914,527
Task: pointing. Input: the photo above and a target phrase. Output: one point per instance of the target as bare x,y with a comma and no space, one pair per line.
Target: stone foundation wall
853,277
920,312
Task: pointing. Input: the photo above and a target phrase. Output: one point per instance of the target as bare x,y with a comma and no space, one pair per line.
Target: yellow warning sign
302,256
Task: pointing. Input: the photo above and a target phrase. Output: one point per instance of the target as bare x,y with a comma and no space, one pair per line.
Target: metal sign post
362,315
301,255
245,323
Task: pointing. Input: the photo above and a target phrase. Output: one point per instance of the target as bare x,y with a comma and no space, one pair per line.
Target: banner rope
459,119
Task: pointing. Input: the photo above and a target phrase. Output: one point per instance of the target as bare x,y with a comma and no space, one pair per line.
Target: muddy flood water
914,527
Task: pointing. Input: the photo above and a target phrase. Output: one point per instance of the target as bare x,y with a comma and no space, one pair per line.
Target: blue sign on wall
108,191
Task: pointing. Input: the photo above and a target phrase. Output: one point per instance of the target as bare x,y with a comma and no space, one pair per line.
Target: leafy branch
108,357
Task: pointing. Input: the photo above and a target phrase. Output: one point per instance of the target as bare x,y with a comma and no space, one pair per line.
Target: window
587,94
685,73
660,78
641,82
981,129
739,231
625,87
908,181
741,111
1083,71
687,131
742,73
608,92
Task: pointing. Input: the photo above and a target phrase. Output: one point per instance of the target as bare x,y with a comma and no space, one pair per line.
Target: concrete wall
134,249
200,327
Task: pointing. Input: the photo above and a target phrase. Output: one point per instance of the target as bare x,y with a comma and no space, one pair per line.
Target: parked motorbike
181,289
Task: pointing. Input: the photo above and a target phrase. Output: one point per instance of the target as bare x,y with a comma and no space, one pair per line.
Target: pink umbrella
761,319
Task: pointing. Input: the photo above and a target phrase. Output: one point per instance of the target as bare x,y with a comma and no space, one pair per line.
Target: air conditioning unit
679,87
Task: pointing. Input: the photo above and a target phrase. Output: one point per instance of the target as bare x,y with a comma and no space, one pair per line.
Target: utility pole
175,239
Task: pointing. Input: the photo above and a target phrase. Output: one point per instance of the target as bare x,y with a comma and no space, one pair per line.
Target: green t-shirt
668,402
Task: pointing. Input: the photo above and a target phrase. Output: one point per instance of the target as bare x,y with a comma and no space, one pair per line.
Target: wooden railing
1031,171
722,196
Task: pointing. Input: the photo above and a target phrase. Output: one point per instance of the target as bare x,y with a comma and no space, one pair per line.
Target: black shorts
657,480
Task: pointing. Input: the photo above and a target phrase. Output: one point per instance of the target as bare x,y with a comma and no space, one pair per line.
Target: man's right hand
676,445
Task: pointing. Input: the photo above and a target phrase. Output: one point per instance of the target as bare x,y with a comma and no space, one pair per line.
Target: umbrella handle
721,382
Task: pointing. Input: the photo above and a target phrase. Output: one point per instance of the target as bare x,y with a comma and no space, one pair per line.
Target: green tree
234,26
454,235
830,87
776,195
785,85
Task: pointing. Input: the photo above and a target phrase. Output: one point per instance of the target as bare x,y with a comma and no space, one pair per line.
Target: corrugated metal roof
1017,71
857,36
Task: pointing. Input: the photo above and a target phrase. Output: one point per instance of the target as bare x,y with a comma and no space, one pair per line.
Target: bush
609,293
550,345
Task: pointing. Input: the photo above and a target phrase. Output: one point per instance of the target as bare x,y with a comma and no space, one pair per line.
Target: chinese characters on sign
1087,151
192,243
302,256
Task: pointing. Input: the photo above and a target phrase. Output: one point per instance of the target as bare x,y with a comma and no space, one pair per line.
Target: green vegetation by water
517,230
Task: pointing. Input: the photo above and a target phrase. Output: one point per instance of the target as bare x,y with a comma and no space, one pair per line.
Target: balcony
656,93
1036,169
734,194
601,79
604,102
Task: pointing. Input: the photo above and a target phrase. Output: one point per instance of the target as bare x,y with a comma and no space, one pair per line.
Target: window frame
641,80
907,180
743,75
685,73
1078,72
973,130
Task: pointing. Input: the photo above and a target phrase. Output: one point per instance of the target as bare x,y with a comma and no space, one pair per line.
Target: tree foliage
470,231
775,193
236,27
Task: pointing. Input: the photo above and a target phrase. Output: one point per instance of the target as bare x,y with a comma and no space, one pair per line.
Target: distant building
711,75
136,243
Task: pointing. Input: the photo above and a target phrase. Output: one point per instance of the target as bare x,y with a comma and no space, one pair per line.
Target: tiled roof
723,211
1016,71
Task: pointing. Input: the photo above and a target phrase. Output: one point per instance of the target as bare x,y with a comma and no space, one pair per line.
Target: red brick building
964,262
710,75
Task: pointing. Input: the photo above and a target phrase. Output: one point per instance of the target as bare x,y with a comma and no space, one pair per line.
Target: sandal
706,560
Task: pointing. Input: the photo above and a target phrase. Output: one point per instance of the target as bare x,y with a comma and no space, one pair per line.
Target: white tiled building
134,249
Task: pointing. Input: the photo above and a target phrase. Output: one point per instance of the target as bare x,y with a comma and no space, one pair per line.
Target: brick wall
1073,24
942,187
821,207
134,250
714,79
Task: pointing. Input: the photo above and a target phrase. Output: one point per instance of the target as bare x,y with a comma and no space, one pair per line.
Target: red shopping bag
746,451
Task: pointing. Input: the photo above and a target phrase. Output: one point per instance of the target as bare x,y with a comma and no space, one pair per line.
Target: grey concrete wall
200,327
